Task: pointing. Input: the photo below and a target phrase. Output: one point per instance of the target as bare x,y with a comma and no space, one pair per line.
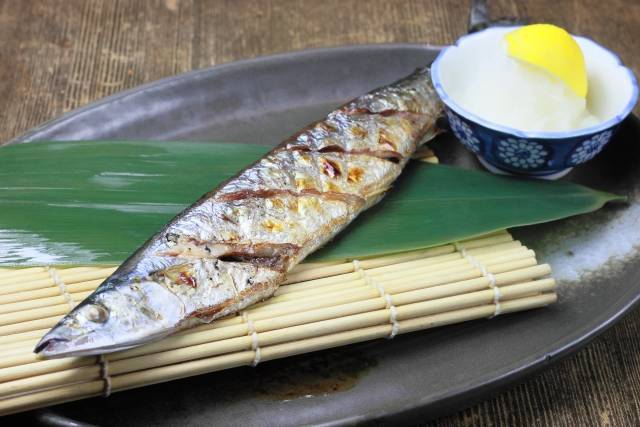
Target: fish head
118,316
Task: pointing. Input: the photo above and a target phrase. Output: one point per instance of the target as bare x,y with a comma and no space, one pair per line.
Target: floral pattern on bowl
588,149
522,154
503,152
463,132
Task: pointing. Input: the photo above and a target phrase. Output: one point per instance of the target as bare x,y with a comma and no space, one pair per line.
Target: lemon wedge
552,49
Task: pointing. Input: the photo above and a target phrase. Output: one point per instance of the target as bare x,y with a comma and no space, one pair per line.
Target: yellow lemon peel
552,49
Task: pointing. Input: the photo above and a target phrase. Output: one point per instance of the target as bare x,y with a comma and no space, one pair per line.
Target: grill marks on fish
337,159
389,155
305,171
322,173
330,168
271,194
359,133
383,113
233,247
271,255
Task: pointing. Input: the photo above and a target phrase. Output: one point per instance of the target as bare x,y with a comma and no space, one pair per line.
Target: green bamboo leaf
436,204
96,202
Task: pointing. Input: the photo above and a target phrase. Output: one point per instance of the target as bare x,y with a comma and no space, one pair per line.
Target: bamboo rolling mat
320,306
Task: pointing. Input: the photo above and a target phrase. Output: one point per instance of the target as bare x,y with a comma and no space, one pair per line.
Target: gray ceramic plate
412,377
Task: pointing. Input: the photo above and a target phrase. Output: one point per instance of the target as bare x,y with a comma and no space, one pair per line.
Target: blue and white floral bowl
549,155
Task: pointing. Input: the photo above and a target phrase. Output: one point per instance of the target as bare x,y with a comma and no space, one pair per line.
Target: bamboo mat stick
498,265
221,333
202,366
44,367
408,268
409,284
36,313
272,334
358,289
520,271
20,356
24,275
428,322
401,270
78,284
23,357
390,259
282,329
17,349
49,292
442,269
364,293
47,381
48,282
36,308
433,264
415,280
12,347
483,257
10,277
30,325
37,302
220,328
41,302
10,272
22,336
224,331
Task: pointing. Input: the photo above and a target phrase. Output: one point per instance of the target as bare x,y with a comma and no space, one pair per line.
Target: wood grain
58,55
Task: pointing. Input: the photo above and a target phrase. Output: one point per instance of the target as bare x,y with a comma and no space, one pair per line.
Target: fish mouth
58,347
47,346
53,348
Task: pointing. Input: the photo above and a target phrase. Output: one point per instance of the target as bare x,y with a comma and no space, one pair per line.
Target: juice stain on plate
311,375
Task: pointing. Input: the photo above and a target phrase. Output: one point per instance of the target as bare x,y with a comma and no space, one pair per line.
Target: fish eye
96,313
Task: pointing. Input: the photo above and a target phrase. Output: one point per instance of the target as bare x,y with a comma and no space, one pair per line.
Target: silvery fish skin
233,247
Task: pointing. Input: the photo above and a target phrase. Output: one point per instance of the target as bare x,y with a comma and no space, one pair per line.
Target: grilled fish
234,246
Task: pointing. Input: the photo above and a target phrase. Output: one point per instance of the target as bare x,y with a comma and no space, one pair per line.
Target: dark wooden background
57,55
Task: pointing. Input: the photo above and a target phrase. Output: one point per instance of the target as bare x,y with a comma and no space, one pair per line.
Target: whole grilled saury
234,246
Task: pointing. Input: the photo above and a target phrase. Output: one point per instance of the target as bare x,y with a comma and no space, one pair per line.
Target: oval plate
420,375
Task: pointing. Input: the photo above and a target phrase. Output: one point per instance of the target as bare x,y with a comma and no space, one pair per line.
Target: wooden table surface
57,55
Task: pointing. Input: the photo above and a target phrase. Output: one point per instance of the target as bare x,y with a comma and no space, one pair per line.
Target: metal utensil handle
479,18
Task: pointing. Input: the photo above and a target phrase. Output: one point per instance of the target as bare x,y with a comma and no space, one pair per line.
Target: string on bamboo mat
486,273
104,375
393,312
62,286
255,343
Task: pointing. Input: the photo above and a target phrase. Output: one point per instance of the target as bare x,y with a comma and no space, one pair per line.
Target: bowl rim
449,102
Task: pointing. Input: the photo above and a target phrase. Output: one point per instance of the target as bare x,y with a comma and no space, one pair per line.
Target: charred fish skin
234,246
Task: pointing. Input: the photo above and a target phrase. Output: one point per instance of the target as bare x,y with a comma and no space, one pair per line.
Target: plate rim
31,134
